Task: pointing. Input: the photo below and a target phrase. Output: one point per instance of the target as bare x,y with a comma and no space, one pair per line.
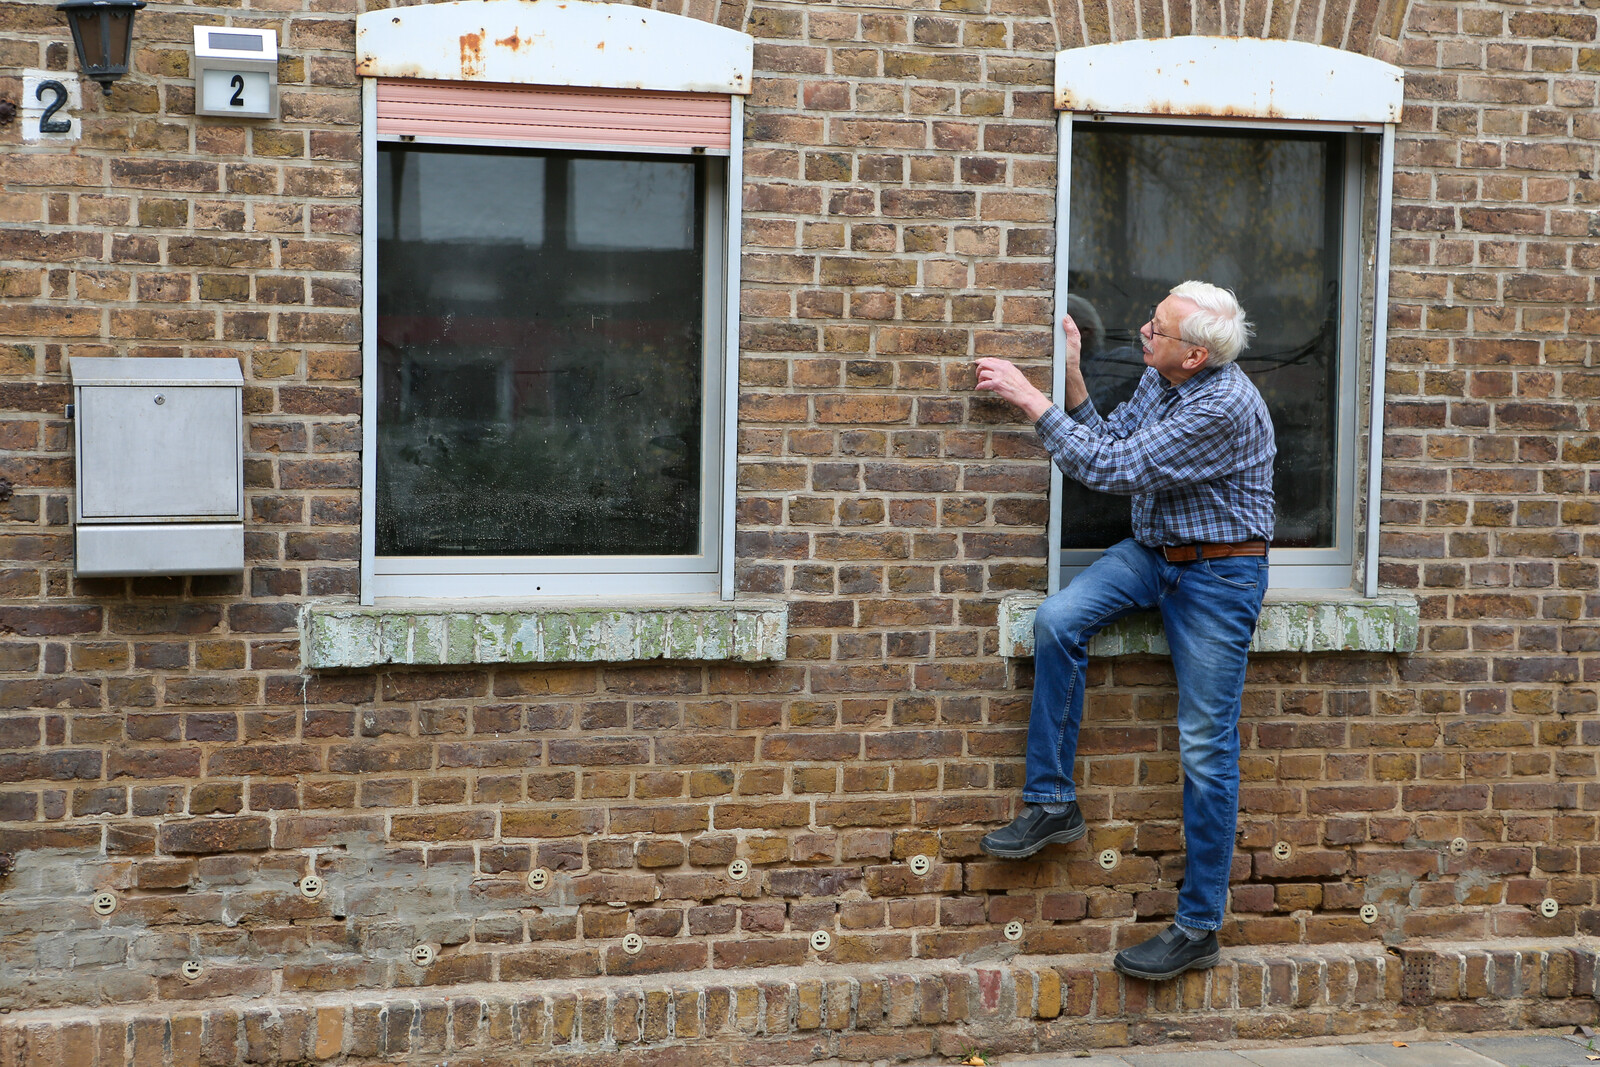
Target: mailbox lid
107,550
157,440
155,370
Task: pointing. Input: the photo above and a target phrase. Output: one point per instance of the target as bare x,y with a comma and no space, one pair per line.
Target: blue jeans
1209,610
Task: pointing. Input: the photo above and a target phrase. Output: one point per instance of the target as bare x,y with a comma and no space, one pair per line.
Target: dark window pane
631,204
1257,213
540,357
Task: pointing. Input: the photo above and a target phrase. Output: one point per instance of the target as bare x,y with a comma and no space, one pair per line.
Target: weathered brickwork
848,1014
161,739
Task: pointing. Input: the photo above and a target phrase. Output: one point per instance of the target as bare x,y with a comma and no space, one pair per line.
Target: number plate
244,93
51,100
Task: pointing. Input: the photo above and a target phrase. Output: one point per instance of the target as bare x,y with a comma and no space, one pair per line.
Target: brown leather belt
1191,553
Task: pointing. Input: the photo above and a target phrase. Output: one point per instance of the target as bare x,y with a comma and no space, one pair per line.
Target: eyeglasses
1151,322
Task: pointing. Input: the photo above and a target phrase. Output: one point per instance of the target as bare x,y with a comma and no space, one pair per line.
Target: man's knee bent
1092,599
1063,618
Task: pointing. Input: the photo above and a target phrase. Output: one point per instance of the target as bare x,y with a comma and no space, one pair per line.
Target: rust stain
514,42
1066,100
472,54
601,47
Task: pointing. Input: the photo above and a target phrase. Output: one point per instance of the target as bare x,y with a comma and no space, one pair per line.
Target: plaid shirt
1195,457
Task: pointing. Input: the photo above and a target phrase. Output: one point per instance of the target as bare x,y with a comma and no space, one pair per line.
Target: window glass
632,204
540,359
441,181
1259,213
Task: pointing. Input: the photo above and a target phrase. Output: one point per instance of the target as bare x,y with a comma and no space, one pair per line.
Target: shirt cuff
1081,410
1052,424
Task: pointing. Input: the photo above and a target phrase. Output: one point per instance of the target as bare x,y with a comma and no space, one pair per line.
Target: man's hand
1076,392
1001,377
1074,342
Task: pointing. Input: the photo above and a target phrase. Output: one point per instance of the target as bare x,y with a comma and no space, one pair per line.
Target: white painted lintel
1229,77
554,42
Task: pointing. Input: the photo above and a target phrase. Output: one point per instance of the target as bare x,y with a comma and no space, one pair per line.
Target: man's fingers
992,370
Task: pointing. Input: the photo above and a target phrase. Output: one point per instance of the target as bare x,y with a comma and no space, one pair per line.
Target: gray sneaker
1034,829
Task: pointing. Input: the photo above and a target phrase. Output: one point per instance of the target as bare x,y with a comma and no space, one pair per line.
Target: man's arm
1001,377
1197,443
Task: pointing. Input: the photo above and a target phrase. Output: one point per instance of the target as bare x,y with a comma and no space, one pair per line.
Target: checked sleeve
1196,443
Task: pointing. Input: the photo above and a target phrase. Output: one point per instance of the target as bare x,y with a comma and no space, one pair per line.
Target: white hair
1219,324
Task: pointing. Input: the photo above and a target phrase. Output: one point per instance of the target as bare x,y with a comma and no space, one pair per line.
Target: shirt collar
1189,384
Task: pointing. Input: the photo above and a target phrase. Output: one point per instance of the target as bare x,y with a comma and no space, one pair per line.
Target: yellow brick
1049,995
330,1033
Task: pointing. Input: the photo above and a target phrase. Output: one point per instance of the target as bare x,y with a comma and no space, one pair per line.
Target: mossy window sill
1292,620
577,630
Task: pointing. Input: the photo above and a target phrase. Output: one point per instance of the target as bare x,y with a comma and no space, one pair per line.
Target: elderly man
1194,448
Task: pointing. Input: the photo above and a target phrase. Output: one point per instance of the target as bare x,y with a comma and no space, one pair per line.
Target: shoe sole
1150,976
1063,837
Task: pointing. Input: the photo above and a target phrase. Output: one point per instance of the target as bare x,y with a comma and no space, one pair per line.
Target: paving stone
1067,1059
1319,1056
1208,1058
1541,1050
1533,1051
1426,1054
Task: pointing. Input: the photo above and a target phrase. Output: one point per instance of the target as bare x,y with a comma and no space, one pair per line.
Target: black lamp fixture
102,31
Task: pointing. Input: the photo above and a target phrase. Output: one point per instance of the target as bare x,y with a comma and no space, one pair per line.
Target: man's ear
1196,358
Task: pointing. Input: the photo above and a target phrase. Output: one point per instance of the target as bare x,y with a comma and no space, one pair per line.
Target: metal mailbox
160,466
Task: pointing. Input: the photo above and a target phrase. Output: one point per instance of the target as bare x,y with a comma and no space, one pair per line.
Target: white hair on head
1219,324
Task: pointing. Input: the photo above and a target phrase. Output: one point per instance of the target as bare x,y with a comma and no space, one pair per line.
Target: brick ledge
1292,620
796,1016
434,633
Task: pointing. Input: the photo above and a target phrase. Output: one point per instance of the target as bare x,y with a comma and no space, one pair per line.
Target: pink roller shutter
554,115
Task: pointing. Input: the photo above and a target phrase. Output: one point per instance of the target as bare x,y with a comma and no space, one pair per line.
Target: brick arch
1367,27
731,14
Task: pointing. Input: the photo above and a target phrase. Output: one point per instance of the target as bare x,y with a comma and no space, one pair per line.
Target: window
548,345
1271,208
542,366
1269,214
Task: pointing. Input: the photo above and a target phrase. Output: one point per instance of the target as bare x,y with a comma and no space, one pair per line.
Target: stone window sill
435,633
1292,620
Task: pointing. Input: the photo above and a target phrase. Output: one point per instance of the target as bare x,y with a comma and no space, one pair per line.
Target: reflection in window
632,204
1258,213
540,363
450,196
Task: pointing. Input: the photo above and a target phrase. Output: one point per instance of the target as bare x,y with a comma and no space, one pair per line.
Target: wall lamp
102,32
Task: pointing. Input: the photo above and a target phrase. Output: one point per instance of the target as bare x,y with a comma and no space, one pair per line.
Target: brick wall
161,740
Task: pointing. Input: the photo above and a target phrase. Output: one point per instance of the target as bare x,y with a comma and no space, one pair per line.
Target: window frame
1197,84
666,53
441,577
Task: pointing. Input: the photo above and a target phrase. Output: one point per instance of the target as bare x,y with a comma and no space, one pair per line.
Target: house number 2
236,83
47,124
